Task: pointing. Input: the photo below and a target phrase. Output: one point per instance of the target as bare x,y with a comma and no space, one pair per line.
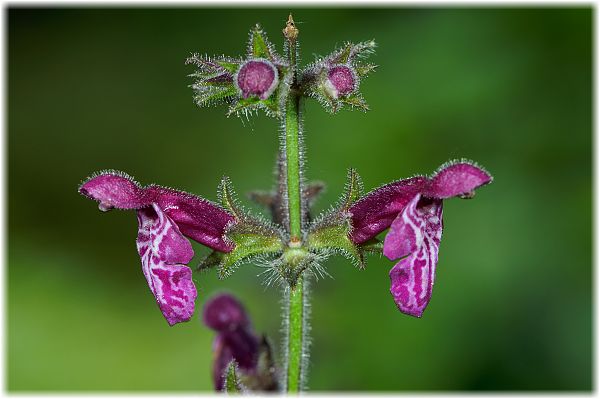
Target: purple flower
165,216
235,338
412,209
257,77
341,81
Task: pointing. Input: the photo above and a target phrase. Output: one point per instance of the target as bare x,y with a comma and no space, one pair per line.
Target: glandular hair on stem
306,327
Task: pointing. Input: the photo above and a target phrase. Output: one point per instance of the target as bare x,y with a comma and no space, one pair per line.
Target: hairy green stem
292,155
296,313
295,337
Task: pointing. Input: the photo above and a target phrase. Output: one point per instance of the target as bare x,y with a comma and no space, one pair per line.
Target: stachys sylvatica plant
291,244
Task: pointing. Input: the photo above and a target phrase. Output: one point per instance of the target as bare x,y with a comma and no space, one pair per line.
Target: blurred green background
512,309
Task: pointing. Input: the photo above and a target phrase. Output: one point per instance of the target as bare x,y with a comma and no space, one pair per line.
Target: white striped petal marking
415,235
164,252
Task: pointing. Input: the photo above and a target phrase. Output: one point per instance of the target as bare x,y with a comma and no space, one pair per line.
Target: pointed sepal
350,52
353,190
333,236
232,381
260,47
331,232
364,69
213,79
211,260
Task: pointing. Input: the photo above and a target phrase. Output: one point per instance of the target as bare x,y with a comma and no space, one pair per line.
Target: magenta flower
257,77
412,209
235,338
165,216
341,81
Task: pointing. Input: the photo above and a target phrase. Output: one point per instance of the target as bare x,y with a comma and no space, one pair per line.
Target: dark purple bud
235,338
341,81
257,78
196,218
224,312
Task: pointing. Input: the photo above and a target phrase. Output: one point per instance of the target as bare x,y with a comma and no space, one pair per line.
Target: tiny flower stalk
292,246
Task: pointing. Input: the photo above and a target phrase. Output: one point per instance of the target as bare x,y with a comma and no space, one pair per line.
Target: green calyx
252,237
330,233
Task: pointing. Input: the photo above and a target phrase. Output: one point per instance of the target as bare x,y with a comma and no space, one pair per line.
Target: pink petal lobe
377,210
456,179
114,190
417,233
164,251
197,218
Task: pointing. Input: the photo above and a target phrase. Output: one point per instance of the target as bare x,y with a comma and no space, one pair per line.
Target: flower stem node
293,263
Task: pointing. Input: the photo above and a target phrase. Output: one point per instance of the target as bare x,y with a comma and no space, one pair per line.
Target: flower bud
341,81
257,77
224,312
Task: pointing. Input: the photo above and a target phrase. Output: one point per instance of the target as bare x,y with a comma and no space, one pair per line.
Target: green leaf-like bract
251,242
353,190
334,238
232,382
252,237
330,233
364,69
207,95
355,101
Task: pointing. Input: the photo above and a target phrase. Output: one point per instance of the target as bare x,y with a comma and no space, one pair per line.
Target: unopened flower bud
340,82
258,78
